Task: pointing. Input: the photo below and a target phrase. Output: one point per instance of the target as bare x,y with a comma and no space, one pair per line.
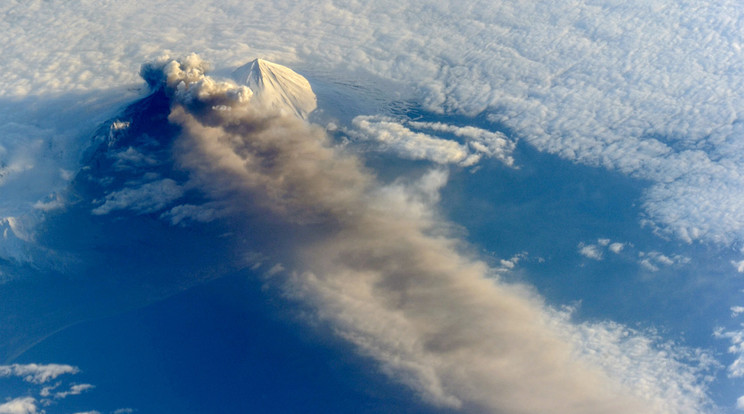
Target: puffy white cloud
23,405
396,136
662,372
37,373
41,374
393,136
648,88
596,251
384,271
739,266
591,251
491,144
511,263
653,261
736,338
75,389
740,403
617,247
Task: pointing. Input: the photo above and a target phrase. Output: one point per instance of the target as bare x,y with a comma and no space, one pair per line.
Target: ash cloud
383,272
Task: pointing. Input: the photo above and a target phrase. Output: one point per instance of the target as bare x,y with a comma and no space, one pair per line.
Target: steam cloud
383,272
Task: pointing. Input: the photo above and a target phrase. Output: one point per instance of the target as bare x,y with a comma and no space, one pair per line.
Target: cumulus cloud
596,250
591,251
383,271
654,261
617,247
634,87
36,373
736,338
23,405
75,389
491,144
397,136
739,266
511,263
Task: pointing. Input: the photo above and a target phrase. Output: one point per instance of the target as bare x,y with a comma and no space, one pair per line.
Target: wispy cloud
143,198
36,373
75,389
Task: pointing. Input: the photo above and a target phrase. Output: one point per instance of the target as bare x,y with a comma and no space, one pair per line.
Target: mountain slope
278,87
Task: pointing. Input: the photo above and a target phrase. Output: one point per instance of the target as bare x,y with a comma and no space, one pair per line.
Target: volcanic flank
277,87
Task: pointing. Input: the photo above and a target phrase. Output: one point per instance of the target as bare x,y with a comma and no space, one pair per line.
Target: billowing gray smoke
385,275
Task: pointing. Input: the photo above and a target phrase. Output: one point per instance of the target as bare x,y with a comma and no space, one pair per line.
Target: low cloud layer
384,274
397,137
647,88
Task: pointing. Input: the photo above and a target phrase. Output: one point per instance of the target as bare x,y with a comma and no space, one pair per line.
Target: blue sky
496,207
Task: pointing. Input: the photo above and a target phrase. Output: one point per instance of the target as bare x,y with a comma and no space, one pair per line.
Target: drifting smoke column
381,271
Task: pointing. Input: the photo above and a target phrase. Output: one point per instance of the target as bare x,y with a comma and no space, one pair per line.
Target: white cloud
39,374
740,403
662,372
648,88
491,144
75,389
397,136
736,338
40,144
390,278
47,391
617,247
739,266
36,373
393,136
145,198
512,262
124,411
591,251
654,261
23,405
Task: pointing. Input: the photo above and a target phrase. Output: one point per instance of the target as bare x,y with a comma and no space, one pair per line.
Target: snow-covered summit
277,87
